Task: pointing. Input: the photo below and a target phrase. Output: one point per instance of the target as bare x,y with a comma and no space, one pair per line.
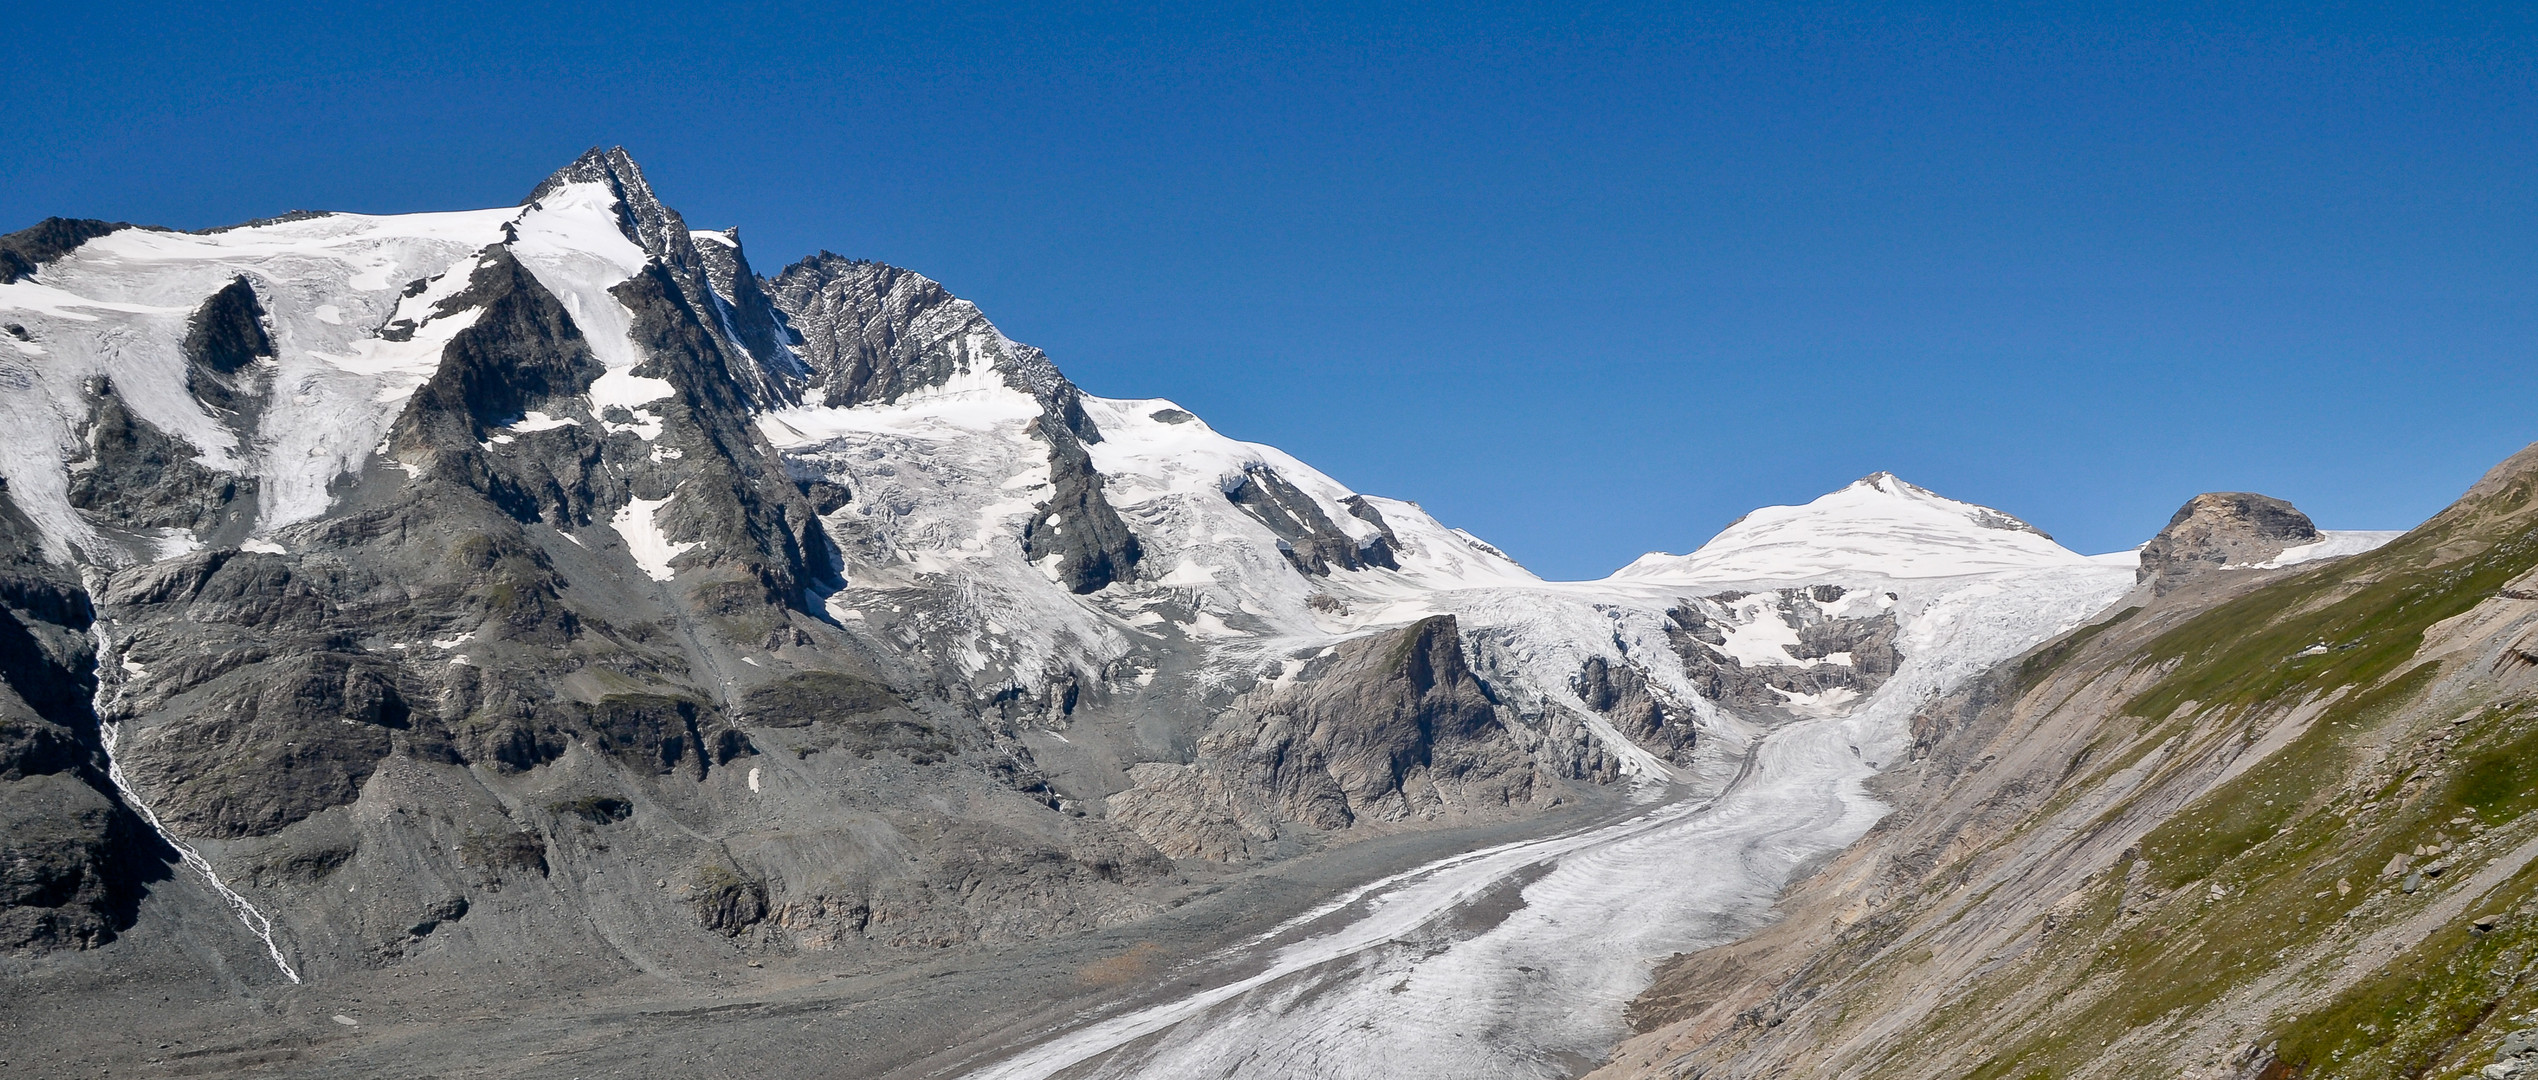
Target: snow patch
651,550
2331,544
534,420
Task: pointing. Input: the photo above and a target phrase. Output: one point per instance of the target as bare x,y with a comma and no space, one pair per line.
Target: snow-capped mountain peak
1879,524
628,199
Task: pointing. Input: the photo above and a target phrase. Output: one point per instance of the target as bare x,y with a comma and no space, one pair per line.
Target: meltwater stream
1443,972
111,737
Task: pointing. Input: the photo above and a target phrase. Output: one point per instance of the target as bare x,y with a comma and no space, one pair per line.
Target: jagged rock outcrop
1846,655
1393,726
1623,696
1306,535
2224,529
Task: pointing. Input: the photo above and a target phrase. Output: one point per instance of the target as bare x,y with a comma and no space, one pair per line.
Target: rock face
1390,728
1623,695
2224,529
1841,647
72,856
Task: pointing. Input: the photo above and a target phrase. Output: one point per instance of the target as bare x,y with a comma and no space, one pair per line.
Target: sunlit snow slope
118,309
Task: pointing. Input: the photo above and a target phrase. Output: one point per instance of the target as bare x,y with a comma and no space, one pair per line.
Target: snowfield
119,306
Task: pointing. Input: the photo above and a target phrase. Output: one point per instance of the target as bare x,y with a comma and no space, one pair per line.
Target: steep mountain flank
550,637
72,857
2272,824
1394,727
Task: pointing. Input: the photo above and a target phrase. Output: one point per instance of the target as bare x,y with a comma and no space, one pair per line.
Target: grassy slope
2273,875
2262,766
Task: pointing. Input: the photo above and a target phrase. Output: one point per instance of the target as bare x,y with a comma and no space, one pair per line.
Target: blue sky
1588,280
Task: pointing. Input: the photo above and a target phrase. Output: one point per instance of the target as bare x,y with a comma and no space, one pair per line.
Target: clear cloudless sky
1588,280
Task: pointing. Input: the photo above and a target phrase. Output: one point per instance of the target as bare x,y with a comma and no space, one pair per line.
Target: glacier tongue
1516,961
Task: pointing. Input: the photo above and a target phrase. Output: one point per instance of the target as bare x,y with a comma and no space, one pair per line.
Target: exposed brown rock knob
2221,529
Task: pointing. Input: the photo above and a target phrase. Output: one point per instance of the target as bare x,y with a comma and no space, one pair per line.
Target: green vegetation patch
2261,802
2498,773
2349,623
2433,1009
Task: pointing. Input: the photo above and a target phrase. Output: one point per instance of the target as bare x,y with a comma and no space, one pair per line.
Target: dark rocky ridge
226,337
1309,539
73,858
25,251
1393,726
749,315
1077,526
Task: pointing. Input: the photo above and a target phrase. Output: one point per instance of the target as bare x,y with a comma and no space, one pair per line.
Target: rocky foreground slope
2249,823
